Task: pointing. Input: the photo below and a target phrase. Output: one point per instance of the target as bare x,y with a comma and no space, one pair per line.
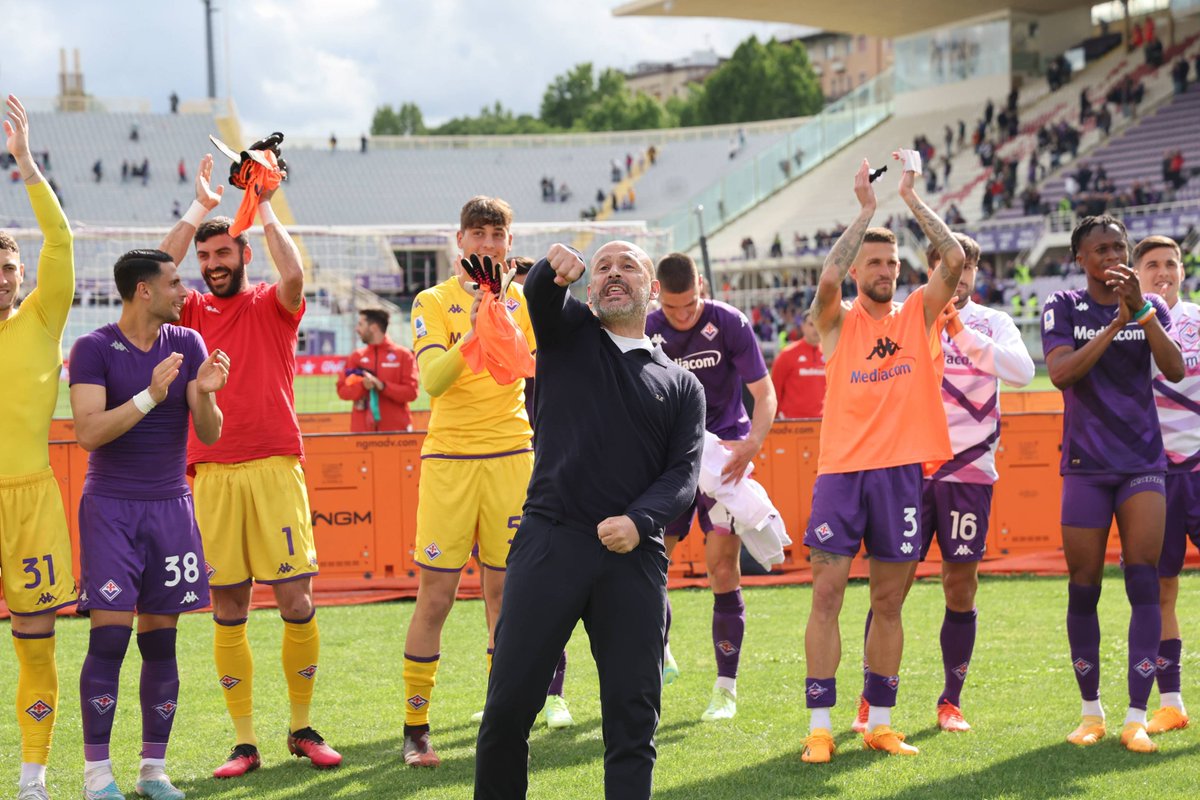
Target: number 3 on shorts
189,573
910,519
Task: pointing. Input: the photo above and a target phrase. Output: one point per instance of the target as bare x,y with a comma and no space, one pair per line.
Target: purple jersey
1110,424
722,351
149,460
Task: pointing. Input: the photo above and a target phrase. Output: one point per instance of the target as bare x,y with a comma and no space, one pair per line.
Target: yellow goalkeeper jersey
31,344
474,416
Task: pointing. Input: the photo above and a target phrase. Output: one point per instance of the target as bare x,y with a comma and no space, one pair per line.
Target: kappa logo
308,672
110,590
103,703
906,548
166,709
1083,306
883,348
188,598
417,303
1145,667
1163,663
40,710
284,569
963,550
727,647
416,702
119,347
657,340
228,681
512,304
83,598
710,331
455,308
45,599
892,681
824,532
960,671
1083,666
432,551
815,690
212,309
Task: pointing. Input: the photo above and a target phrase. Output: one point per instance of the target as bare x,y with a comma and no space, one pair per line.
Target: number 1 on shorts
288,533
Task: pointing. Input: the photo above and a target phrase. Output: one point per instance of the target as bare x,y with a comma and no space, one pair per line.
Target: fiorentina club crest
815,690
416,702
512,305
824,532
166,709
110,590
40,710
1082,666
960,671
726,647
104,703
309,671
892,681
710,331
1163,663
1145,667
209,570
228,681
432,551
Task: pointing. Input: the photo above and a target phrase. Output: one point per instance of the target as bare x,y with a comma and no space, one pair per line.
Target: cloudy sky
309,67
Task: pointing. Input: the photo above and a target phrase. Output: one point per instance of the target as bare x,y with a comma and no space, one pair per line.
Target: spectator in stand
380,378
777,247
1031,201
98,170
1084,176
628,165
564,192
333,142
652,154
948,138
133,133
748,248
182,170
799,375
1179,73
962,133
1136,37
1104,120
362,143
1154,52
988,112
1196,66
145,171
1085,106
174,100
124,171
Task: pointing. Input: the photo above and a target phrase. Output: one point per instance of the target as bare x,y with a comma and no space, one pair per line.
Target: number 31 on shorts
190,571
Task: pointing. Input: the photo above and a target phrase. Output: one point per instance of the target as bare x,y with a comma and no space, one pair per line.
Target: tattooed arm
944,279
827,304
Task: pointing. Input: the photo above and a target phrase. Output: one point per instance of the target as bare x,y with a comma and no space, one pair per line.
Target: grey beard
632,309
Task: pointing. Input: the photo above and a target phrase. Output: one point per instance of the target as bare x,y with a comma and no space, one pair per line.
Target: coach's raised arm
619,430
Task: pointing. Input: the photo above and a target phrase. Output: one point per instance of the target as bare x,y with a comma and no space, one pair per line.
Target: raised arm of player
56,264
944,280
202,396
827,303
96,427
1003,355
1165,350
286,257
179,238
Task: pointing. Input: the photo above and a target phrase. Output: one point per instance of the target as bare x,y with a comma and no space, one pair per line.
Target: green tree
759,81
492,121
407,120
568,96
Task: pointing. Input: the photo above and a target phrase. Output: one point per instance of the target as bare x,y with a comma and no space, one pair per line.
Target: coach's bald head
621,286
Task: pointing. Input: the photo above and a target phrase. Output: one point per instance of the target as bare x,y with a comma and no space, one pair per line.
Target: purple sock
560,674
820,692
1170,653
728,628
98,682
667,630
866,632
1083,634
159,690
1145,630
881,690
958,642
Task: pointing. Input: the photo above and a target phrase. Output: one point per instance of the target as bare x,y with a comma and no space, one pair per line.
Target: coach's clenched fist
566,263
618,534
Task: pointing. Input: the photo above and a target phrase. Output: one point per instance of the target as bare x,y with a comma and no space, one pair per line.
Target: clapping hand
213,373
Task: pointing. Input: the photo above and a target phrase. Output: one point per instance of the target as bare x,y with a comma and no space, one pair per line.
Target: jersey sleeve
195,354
291,318
1163,313
87,362
1056,323
744,350
56,263
428,324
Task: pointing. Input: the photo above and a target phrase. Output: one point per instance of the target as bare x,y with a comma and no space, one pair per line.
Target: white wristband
912,160
144,402
267,214
195,214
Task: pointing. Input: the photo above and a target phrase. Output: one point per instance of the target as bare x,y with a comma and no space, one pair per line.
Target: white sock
666,653
32,773
819,718
1175,700
1091,708
729,684
878,715
153,769
1137,715
97,774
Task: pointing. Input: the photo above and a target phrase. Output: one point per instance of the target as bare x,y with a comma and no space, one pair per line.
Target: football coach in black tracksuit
620,431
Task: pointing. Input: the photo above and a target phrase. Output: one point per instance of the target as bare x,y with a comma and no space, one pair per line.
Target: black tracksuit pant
557,576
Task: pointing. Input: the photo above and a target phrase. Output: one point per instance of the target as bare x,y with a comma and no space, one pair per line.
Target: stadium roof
874,17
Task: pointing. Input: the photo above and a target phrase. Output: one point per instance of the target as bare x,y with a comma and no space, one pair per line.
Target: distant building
844,62
663,80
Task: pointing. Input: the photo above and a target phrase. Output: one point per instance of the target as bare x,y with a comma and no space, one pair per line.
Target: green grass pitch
1021,699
